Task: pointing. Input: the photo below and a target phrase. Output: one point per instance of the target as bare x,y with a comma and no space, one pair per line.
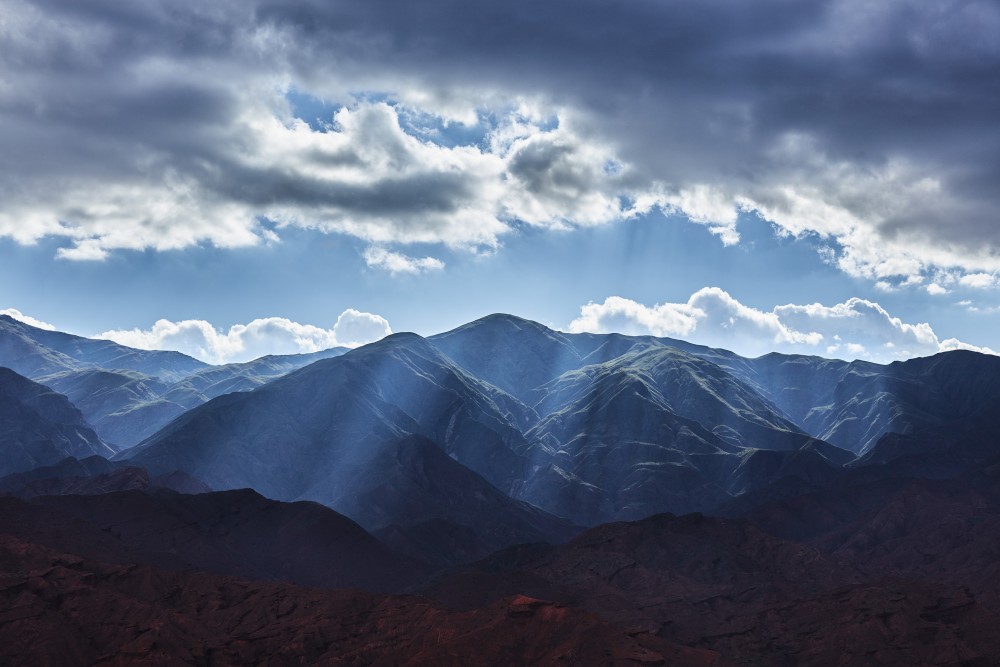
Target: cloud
362,174
168,124
710,316
622,315
355,328
979,309
978,280
27,319
865,323
395,262
854,329
243,342
955,344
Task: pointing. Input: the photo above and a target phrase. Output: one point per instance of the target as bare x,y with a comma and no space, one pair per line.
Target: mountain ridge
125,393
39,426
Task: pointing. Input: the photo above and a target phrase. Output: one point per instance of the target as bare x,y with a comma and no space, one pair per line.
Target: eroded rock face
61,609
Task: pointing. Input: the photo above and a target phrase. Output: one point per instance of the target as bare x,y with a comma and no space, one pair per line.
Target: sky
238,178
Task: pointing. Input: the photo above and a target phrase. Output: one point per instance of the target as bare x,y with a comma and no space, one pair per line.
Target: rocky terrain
60,609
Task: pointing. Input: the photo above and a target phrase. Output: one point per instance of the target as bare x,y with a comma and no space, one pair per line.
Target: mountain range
611,428
504,468
126,394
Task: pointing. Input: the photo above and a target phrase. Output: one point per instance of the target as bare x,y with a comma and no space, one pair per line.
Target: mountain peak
501,320
394,341
400,336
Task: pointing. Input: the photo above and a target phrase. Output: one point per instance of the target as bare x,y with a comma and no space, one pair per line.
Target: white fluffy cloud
243,342
395,262
711,316
621,315
856,328
978,280
355,328
363,174
27,319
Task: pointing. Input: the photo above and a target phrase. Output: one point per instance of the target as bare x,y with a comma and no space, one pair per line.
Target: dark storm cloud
873,124
700,90
400,197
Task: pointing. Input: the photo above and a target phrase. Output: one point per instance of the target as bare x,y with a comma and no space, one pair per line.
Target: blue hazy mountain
848,404
509,352
651,430
520,355
391,434
34,352
40,427
658,429
126,407
123,406
339,407
588,427
854,404
125,394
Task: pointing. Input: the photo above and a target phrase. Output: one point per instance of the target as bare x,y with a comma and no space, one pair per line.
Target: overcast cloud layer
165,124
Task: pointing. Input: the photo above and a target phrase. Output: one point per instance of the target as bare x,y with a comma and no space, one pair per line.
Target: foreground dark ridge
898,572
62,609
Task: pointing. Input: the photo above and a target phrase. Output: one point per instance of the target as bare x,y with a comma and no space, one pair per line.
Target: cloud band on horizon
854,329
260,337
